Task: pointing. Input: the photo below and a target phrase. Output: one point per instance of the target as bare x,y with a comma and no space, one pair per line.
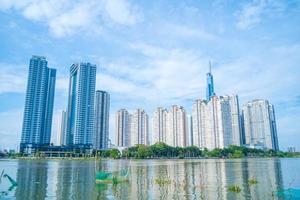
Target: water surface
186,179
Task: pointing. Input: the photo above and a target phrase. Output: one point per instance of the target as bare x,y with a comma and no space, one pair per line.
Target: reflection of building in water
184,179
190,180
75,180
214,179
269,176
140,182
31,179
209,179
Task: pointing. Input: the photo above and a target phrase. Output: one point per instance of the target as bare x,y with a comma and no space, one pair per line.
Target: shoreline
137,159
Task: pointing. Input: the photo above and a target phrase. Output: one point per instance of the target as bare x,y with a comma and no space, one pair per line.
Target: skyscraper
122,135
80,113
37,120
210,84
200,123
159,125
260,125
216,123
102,102
62,129
189,138
231,120
215,134
177,127
139,128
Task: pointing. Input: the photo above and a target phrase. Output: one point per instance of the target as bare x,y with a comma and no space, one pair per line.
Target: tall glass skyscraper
37,121
102,102
80,113
210,84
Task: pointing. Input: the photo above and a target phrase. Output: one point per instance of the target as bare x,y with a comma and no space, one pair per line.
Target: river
150,179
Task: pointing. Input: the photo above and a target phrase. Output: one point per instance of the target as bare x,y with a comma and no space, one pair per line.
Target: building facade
80,113
177,127
231,120
260,125
216,123
101,134
139,128
62,134
200,123
38,111
159,125
122,132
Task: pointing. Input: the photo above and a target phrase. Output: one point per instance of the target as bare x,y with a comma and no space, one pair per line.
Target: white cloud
122,12
11,79
67,16
10,130
253,13
163,76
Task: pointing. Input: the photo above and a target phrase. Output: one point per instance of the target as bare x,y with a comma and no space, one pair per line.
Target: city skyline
167,70
216,122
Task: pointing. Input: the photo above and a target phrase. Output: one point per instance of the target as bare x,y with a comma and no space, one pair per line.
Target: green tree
114,153
143,151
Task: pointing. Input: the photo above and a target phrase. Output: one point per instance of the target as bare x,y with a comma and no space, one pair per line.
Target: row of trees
162,150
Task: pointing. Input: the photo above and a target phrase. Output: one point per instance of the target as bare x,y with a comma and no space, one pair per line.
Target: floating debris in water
162,181
252,181
234,188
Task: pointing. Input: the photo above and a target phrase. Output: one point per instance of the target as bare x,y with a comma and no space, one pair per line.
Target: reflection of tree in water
31,179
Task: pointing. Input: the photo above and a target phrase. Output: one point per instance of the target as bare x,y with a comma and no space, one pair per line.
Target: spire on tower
209,67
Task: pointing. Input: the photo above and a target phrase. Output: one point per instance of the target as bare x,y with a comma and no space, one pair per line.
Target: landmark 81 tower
210,84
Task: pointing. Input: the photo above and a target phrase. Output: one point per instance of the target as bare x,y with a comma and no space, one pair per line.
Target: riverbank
164,151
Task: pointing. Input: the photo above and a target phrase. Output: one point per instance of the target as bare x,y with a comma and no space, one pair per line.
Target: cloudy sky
155,53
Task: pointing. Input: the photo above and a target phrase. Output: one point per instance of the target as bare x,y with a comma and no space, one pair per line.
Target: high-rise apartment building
231,120
215,135
38,111
260,125
159,125
177,127
101,134
200,123
80,113
216,123
122,132
189,138
139,129
61,139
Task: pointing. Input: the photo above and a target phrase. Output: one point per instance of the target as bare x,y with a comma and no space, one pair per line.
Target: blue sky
155,53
